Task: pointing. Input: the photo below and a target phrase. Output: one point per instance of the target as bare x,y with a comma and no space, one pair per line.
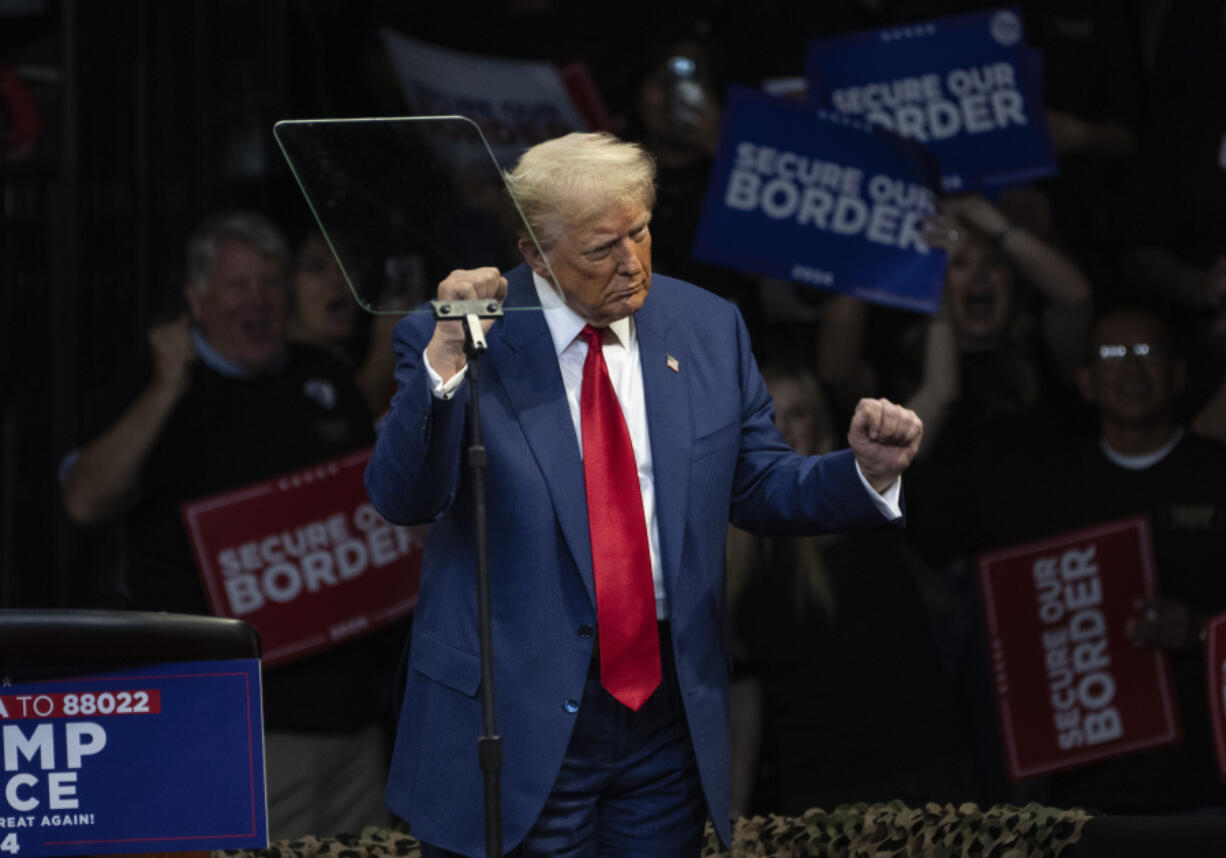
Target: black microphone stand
489,744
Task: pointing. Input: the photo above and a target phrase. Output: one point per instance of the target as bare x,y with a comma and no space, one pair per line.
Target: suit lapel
528,371
666,398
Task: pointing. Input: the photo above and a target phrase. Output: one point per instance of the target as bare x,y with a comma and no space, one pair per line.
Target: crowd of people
241,389
1037,423
1075,374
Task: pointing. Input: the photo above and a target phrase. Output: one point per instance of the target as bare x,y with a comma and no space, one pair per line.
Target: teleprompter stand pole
489,745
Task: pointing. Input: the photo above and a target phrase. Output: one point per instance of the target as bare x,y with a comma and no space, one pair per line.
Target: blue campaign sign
822,200
966,86
163,758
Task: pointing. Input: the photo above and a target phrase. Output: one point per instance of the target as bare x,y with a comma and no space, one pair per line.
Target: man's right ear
534,257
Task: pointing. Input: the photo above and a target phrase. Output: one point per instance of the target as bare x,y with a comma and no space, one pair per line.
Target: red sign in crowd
305,558
1215,677
1071,688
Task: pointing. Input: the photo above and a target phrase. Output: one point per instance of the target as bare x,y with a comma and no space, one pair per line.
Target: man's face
603,265
1132,377
241,309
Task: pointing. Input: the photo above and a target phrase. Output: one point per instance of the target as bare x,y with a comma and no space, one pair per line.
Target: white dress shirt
621,355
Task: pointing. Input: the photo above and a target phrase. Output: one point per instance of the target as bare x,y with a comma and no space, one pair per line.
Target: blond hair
569,180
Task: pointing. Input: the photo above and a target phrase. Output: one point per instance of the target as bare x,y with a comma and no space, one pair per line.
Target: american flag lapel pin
672,363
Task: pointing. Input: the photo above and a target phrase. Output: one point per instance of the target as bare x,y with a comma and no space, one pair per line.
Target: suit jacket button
586,631
571,706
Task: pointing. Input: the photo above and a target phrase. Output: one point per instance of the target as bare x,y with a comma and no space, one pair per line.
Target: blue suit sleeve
779,492
414,471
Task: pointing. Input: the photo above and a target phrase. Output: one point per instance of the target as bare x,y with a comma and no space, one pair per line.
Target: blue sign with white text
162,758
967,86
823,200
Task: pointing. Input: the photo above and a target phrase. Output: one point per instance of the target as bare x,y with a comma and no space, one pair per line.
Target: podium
49,638
91,680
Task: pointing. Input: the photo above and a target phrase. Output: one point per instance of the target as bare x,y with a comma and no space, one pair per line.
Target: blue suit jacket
717,457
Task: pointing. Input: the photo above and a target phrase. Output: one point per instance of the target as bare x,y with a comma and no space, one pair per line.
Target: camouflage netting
894,829
848,831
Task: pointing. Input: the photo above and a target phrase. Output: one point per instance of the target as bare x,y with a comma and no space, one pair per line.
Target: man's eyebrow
601,245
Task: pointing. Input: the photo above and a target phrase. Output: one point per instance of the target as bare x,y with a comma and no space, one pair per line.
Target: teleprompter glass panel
404,201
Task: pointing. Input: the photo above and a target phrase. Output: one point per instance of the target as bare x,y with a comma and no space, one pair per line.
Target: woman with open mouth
1007,339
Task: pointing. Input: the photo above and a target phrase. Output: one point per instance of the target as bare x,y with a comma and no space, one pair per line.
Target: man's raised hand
446,348
884,438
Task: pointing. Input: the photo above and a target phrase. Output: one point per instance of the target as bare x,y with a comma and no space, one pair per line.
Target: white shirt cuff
446,389
888,501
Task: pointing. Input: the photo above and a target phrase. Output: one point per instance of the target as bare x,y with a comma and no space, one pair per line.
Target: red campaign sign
305,558
1215,676
1070,688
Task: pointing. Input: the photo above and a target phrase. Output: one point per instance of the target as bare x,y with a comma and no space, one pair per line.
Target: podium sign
1070,688
304,558
168,757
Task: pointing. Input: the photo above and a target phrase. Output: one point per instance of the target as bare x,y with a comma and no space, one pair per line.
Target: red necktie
621,560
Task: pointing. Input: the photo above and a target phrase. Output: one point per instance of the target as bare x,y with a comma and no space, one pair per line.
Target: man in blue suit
584,772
